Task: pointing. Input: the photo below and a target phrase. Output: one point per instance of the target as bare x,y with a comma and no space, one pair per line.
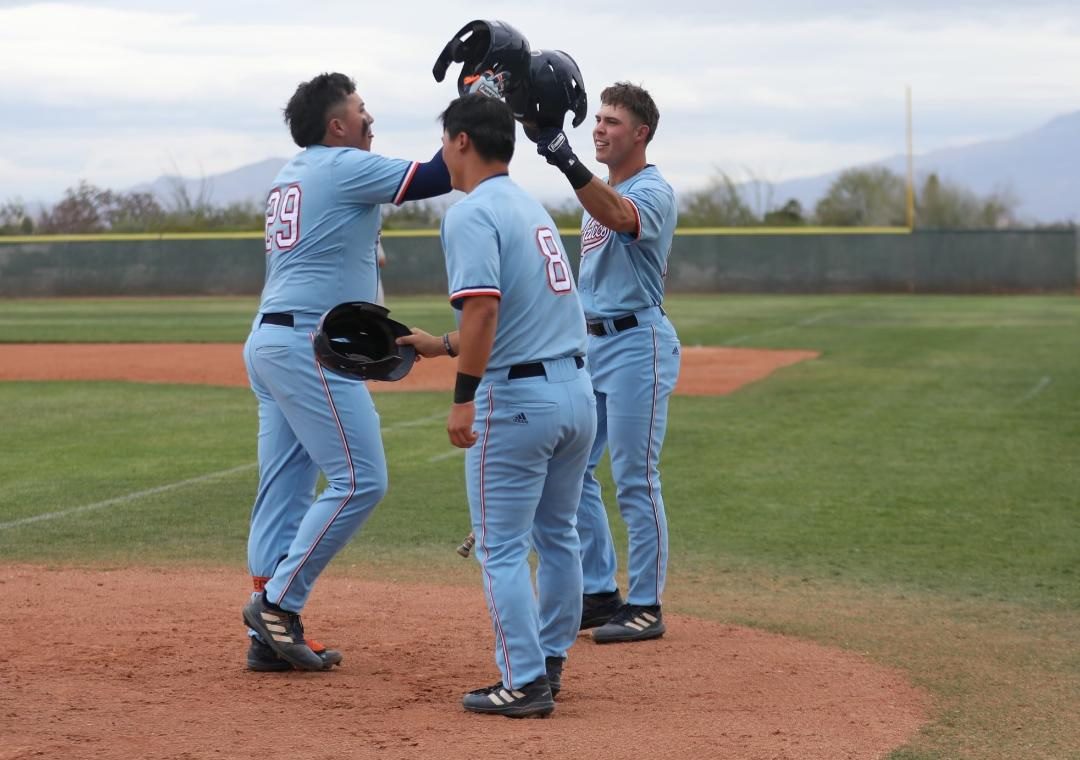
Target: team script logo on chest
593,236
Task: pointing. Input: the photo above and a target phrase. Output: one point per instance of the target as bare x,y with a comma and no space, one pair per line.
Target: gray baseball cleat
597,609
262,659
284,633
533,700
633,622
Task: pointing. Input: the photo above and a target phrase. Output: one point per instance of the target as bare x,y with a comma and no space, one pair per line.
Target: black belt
620,324
535,369
284,320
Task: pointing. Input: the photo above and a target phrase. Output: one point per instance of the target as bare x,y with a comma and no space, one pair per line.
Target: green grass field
914,494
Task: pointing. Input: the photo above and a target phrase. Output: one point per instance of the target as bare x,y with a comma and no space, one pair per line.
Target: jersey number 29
558,271
283,218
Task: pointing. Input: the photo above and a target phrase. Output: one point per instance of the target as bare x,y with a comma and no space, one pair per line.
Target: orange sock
259,582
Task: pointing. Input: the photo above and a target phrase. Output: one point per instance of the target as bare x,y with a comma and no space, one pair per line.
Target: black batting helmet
358,340
486,47
555,88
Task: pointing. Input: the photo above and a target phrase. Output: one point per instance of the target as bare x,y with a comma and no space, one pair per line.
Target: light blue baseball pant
633,373
523,477
310,420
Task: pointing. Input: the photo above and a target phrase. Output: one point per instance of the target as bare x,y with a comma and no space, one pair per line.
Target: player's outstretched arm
429,346
601,200
429,180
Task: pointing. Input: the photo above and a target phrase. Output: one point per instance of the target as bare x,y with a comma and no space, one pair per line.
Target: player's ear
641,132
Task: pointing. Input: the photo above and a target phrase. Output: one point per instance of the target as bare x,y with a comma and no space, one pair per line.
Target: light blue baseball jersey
621,273
500,241
534,432
322,221
634,372
321,250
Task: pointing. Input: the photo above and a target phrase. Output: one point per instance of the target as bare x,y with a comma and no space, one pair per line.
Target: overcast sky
119,92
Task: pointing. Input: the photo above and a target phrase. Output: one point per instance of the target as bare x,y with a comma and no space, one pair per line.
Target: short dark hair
487,121
636,100
309,108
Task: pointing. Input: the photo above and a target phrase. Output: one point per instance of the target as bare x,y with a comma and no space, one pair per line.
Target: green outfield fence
736,260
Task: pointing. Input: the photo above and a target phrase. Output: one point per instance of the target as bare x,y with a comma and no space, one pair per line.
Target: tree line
88,209
863,197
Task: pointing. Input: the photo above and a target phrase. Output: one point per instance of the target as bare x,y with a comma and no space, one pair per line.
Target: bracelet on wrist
448,346
465,388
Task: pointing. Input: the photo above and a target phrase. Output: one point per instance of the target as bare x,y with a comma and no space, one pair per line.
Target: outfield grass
913,494
160,320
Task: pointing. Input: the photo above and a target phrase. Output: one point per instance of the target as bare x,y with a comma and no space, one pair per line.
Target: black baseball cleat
633,622
283,632
262,659
597,609
533,700
553,666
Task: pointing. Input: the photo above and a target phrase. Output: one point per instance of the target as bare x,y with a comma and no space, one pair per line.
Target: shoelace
293,625
299,627
628,612
491,689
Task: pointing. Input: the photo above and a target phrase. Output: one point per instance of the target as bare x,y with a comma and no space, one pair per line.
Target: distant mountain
1039,169
245,184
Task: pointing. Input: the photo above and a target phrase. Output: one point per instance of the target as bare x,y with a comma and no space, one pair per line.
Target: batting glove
555,148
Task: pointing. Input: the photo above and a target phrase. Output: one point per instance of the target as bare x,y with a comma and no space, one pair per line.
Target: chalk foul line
135,496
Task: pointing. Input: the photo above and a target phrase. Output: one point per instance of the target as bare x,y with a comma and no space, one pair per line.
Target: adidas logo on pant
520,419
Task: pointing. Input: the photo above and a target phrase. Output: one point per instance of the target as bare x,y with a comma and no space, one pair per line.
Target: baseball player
626,234
523,405
322,217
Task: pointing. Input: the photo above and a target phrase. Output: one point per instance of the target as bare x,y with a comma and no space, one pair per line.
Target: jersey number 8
283,218
558,271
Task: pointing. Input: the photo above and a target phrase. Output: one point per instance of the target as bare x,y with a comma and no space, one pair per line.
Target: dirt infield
144,663
705,371
149,663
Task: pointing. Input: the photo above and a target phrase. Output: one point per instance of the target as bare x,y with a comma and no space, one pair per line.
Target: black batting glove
555,148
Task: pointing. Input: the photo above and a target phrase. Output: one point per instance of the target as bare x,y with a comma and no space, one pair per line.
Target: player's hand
460,425
552,144
488,84
426,344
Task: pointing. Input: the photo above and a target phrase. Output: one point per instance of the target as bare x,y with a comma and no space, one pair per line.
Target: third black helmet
358,340
555,88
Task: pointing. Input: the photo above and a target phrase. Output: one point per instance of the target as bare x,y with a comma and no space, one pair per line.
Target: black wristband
465,388
578,175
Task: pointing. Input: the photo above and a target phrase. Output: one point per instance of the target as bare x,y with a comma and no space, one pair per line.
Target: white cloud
118,92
